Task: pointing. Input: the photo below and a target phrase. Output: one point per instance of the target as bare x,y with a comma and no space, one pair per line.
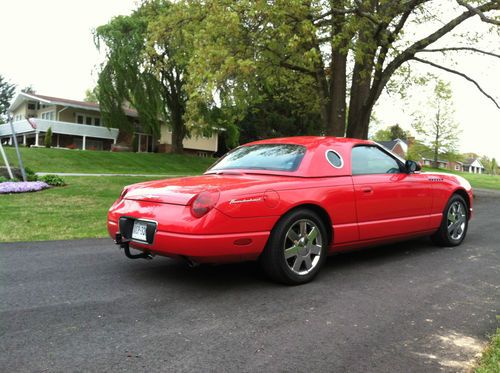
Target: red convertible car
289,203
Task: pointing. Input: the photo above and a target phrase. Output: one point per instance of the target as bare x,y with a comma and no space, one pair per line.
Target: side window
372,160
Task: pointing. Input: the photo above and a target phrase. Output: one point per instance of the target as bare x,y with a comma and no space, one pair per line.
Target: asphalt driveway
82,306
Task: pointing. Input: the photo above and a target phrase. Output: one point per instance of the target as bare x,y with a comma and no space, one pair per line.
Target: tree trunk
337,125
178,132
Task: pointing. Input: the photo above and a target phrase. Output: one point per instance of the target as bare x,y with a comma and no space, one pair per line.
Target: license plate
139,230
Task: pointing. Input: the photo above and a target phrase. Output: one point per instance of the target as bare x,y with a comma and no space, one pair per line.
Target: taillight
204,202
124,192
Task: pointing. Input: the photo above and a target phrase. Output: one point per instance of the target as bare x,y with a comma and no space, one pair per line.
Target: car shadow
224,276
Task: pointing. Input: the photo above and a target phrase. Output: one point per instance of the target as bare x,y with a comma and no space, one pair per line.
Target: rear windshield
273,157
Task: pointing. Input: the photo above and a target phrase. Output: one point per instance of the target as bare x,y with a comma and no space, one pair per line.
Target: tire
454,225
296,249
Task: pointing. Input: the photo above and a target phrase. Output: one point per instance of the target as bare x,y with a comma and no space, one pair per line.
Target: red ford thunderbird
289,203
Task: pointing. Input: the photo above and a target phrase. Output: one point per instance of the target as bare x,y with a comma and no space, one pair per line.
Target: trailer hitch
125,245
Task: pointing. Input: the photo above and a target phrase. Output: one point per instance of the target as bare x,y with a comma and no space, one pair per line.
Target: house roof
391,144
63,102
470,161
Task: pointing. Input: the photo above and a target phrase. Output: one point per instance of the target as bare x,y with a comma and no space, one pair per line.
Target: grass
476,180
490,361
77,210
77,161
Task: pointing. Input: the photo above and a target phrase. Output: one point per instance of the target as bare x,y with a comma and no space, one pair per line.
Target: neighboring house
78,124
397,146
473,165
430,162
456,166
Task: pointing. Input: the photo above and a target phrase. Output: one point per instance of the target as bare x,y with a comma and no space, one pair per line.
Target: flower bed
22,187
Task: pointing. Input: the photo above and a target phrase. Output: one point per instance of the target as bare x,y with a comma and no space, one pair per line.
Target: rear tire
454,225
297,248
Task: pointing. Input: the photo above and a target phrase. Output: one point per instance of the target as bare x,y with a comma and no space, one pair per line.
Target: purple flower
22,187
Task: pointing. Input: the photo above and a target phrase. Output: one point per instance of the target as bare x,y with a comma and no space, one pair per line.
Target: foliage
30,174
391,133
436,124
54,180
6,94
48,138
4,179
490,361
28,89
346,51
146,58
418,150
91,95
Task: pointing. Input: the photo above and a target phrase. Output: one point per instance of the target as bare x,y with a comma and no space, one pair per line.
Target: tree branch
461,49
479,13
459,74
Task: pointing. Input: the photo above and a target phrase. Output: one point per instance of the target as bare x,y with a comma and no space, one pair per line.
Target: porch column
57,140
114,141
36,138
24,140
139,144
84,140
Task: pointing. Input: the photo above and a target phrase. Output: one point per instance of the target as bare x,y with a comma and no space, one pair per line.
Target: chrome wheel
456,220
302,246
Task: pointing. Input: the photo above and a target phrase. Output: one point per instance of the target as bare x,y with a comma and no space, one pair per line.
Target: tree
48,138
6,93
391,133
437,124
28,89
91,95
494,166
145,66
348,50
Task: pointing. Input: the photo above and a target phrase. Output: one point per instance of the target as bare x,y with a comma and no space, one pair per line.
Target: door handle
367,189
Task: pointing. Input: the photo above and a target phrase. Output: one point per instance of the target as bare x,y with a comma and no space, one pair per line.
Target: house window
457,167
31,106
49,115
88,119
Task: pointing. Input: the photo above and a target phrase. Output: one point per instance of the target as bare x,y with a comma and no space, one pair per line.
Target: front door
389,201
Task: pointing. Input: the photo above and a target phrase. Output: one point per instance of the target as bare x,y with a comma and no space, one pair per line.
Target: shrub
3,179
30,174
53,180
72,146
48,138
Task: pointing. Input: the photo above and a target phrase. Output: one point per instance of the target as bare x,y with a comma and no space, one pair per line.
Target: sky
49,45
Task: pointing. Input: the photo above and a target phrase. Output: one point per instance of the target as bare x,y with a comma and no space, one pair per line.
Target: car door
389,201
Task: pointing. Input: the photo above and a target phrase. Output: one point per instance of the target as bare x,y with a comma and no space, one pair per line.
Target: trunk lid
180,191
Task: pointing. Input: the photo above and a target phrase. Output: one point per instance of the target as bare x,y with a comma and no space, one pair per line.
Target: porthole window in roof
334,158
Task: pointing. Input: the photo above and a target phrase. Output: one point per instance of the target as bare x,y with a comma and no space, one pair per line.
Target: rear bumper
202,248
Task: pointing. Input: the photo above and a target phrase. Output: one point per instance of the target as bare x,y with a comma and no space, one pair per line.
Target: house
473,165
79,124
456,166
430,163
397,146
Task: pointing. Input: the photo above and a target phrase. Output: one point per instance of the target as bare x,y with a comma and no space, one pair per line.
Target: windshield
273,157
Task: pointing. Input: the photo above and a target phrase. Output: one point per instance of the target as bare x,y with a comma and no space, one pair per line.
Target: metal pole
14,138
6,161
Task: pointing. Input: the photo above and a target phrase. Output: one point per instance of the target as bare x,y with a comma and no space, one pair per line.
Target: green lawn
77,210
77,161
490,361
476,180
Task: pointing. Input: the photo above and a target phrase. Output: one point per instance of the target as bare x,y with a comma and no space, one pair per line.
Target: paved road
412,307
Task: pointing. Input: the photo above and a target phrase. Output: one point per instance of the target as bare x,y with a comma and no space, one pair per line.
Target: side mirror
412,166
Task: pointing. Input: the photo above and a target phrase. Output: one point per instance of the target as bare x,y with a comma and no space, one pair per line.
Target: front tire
297,248
454,225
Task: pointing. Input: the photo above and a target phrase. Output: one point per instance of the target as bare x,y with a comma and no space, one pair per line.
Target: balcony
83,131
